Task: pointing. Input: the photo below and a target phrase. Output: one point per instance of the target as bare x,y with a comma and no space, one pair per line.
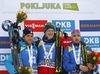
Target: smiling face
76,39
49,33
28,39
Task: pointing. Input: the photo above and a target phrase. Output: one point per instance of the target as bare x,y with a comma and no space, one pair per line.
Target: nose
51,31
30,37
77,37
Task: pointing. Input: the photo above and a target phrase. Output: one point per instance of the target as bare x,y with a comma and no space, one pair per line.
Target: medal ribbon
77,60
30,52
47,56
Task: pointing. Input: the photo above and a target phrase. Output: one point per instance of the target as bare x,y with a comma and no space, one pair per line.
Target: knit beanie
48,25
75,32
27,31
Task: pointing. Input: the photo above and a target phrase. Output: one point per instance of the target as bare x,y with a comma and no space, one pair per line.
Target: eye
74,36
48,30
32,36
78,35
52,30
27,35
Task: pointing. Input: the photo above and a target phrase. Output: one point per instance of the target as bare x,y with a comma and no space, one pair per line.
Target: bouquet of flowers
93,58
21,16
24,70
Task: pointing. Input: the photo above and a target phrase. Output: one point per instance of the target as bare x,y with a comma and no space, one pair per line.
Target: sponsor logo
66,41
89,25
70,6
5,25
36,25
66,6
92,41
4,42
3,58
66,25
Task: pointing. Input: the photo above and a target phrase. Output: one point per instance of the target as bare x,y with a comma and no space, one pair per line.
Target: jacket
43,66
69,63
24,56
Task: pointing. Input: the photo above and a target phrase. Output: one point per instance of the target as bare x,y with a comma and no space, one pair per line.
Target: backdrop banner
70,14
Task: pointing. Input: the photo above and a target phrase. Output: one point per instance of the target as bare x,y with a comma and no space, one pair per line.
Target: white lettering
96,40
68,24
64,24
92,40
4,57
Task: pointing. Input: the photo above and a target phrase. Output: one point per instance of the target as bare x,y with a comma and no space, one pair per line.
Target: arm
9,65
67,62
71,67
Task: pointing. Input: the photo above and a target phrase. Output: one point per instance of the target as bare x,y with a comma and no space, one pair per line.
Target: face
28,39
50,33
76,39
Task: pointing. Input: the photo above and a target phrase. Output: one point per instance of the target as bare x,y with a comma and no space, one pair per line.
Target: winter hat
48,25
27,31
75,32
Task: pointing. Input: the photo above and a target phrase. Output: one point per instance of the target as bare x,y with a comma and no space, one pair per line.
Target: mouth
49,35
76,40
29,40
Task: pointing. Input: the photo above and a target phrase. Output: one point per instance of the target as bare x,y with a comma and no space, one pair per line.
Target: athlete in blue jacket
72,60
28,53
46,50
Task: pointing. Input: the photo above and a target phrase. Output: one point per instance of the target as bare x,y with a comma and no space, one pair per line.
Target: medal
47,61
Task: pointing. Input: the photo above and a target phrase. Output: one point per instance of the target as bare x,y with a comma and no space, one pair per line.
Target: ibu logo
65,25
92,41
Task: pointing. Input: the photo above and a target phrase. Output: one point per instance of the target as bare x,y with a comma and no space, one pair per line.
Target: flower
23,66
19,68
19,12
21,16
92,52
24,70
29,70
93,58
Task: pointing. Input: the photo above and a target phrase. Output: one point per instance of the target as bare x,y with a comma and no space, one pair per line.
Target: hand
90,66
84,68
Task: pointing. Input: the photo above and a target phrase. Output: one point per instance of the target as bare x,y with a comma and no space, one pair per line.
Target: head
49,30
76,36
28,36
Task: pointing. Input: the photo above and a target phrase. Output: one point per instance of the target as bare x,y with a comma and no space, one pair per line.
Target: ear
23,38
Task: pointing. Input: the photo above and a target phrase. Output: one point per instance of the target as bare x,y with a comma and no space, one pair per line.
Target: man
72,61
46,50
28,52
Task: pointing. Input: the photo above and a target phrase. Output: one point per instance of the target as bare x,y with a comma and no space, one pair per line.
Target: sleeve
67,62
9,65
96,67
89,49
